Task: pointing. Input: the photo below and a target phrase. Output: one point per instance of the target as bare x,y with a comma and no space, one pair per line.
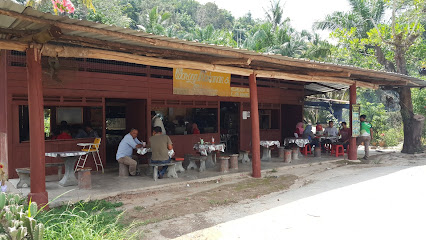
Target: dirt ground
152,207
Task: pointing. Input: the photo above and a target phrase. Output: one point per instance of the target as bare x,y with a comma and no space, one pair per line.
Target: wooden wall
83,82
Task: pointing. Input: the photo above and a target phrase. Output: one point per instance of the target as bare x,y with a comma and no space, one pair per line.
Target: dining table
300,142
210,150
266,149
69,157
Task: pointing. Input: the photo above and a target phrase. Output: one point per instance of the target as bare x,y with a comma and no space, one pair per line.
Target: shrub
393,137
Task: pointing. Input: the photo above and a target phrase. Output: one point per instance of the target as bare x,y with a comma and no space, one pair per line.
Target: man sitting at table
329,131
160,146
125,151
345,135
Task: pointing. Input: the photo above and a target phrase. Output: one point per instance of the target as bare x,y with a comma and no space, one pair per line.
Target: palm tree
274,14
155,22
363,15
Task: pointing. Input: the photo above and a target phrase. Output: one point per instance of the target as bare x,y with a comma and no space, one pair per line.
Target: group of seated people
329,131
65,132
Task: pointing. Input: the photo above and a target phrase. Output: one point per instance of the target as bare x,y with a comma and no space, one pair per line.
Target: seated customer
160,145
299,130
125,150
345,135
330,131
65,134
90,132
195,129
319,129
310,136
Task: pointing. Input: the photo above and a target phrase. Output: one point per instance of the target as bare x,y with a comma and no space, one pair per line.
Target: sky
302,13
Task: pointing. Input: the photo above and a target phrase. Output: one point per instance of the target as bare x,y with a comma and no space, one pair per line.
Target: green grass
85,220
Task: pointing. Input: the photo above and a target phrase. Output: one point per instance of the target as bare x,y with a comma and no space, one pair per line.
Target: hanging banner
356,124
200,82
240,92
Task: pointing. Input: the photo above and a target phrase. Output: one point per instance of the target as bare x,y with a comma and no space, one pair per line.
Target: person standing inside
366,134
125,150
160,146
157,122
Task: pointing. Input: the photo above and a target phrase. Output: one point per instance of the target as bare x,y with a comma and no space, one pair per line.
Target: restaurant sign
205,83
356,124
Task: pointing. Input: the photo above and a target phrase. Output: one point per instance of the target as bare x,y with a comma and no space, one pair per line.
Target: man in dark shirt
345,135
160,146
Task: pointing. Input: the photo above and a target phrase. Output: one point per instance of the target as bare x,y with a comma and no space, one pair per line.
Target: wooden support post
4,113
35,107
255,132
352,154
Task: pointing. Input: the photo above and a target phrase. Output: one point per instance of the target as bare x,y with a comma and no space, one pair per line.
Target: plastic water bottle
212,140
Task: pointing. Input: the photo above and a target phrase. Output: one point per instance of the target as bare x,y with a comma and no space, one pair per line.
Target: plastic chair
337,150
90,148
306,149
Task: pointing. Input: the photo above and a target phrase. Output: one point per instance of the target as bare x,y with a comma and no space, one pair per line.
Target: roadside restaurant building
55,69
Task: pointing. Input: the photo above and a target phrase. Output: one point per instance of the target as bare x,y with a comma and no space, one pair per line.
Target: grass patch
86,220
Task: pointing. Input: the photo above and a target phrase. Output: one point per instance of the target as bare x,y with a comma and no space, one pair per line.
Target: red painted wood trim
36,116
255,133
352,155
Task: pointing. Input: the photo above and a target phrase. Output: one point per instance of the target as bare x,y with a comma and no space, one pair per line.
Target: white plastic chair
90,148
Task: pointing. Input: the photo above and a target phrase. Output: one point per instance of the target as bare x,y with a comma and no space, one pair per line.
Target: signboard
240,92
205,83
199,82
356,124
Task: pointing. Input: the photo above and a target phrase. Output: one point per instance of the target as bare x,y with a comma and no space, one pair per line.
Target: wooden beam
301,78
10,45
183,46
330,74
232,61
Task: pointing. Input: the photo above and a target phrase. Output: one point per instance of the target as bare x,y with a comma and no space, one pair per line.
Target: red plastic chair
337,150
306,149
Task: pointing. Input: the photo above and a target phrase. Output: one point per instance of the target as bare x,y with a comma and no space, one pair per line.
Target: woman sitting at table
195,129
299,130
310,136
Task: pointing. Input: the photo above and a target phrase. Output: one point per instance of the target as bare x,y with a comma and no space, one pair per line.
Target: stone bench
24,174
171,170
244,156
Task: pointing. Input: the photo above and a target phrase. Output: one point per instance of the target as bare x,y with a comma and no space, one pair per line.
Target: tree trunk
413,124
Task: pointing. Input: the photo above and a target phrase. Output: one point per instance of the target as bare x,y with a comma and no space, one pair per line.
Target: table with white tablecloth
266,149
300,142
209,150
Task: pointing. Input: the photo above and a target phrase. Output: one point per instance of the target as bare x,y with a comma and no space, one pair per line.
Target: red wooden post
36,116
352,155
3,112
255,132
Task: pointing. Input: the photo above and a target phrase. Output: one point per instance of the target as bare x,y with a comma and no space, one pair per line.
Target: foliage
85,220
392,137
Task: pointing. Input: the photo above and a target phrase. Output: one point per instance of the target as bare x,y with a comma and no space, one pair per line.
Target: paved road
387,202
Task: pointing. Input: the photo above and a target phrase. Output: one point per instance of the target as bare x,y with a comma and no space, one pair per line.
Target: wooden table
69,157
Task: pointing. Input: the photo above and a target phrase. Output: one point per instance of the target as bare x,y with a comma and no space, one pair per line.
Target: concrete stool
281,152
123,170
233,160
224,164
295,154
84,178
287,155
243,156
317,151
171,171
24,177
179,167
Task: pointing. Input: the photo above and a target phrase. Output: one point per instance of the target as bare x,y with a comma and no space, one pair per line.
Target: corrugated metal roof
7,22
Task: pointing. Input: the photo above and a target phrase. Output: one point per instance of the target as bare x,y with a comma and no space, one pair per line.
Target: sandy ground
169,213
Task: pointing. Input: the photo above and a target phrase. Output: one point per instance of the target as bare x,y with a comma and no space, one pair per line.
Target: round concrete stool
317,152
287,155
281,152
295,154
224,164
233,160
84,178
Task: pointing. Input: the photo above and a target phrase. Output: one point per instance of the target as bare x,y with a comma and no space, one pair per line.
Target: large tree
363,30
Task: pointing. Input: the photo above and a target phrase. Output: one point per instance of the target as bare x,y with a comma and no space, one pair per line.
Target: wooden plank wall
97,79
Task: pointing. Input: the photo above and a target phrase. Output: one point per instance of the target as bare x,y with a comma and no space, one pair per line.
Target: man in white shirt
331,131
125,150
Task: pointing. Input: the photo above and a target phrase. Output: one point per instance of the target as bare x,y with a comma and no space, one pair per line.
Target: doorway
121,115
230,125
